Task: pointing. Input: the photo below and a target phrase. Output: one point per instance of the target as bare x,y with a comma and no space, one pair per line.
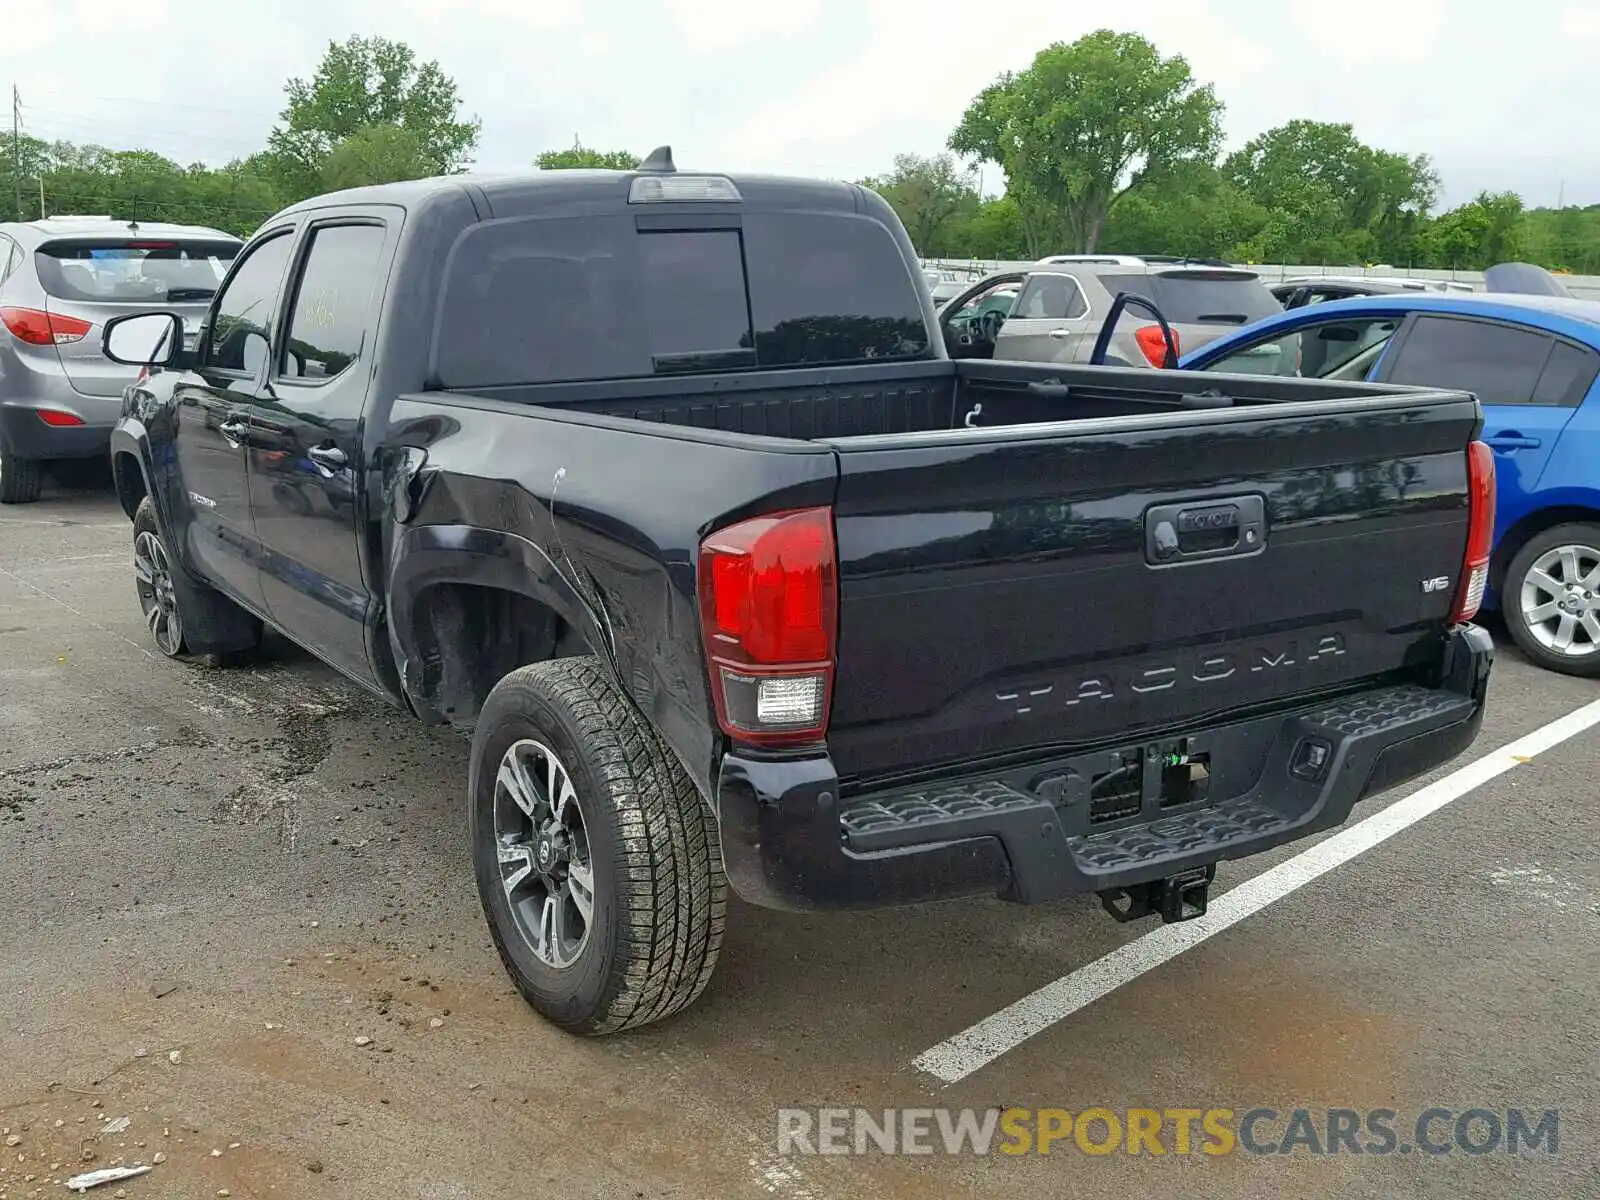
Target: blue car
1532,361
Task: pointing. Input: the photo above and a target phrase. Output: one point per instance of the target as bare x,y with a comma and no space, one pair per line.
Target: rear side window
134,271
1497,363
1568,375
1200,297
567,299
332,305
1052,297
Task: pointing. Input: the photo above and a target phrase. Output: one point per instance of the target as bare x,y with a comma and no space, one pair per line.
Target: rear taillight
769,612
42,328
54,416
1480,533
1154,344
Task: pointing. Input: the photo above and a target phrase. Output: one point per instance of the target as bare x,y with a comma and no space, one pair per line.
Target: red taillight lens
1154,344
769,611
53,416
43,329
1480,533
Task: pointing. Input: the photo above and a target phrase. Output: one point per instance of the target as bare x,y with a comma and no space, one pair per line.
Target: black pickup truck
663,484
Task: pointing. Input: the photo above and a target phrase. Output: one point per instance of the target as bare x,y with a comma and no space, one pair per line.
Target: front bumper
23,434
790,842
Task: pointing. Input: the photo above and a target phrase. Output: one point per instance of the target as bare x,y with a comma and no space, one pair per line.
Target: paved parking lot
213,883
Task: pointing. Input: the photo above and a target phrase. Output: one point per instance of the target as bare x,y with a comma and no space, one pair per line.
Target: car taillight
769,612
1480,533
1154,344
54,416
42,328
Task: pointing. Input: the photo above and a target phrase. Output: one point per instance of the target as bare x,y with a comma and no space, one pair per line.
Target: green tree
1335,199
363,82
1189,209
580,157
1486,230
930,195
376,154
1088,123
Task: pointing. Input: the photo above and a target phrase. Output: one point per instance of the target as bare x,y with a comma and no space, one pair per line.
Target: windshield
137,271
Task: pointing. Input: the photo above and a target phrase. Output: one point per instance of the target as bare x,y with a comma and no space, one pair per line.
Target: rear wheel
183,615
597,860
1551,599
21,479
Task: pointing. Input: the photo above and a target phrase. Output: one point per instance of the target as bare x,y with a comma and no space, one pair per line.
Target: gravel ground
238,911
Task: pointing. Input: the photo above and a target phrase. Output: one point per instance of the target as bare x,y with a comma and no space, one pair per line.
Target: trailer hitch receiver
1180,897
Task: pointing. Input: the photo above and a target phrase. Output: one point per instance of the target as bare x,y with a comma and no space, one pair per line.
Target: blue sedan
1532,361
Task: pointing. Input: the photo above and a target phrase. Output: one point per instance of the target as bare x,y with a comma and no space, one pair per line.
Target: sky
1500,95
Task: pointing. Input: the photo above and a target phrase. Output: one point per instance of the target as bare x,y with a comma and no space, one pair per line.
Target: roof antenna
660,159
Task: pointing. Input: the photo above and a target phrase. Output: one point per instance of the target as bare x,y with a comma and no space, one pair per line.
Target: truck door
306,445
213,403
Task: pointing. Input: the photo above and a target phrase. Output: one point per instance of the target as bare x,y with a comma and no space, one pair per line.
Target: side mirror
143,339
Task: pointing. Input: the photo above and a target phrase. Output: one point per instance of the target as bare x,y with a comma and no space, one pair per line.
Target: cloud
1365,32
1581,20
916,67
717,26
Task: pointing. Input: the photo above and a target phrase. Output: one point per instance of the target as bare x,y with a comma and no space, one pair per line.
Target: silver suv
61,280
1058,309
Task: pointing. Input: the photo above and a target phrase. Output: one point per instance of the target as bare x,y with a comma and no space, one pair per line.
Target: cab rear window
133,271
569,299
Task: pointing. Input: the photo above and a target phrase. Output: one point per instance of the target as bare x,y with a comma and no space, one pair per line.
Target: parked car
662,484
1059,309
60,280
1319,289
1532,361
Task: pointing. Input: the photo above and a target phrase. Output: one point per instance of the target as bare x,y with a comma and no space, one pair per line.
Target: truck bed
865,401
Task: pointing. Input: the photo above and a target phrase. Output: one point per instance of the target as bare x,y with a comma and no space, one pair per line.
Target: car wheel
1551,599
21,479
597,860
183,615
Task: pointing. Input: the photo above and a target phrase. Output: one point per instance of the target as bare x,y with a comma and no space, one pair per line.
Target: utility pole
16,144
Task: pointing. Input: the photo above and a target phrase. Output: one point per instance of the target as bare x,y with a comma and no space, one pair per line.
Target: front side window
1329,350
241,329
332,305
1499,364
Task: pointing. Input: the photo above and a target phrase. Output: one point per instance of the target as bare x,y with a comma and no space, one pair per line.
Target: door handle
1510,440
233,432
1061,335
329,460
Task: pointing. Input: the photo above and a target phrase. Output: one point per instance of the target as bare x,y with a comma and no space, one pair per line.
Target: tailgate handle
1202,530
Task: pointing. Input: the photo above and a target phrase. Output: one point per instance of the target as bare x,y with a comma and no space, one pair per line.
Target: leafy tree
929,195
1086,124
376,154
1189,209
580,156
363,82
1336,199
1480,233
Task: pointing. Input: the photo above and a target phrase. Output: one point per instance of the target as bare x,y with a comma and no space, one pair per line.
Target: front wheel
1551,599
597,861
183,615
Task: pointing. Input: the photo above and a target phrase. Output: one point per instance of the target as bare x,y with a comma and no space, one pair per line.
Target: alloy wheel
543,849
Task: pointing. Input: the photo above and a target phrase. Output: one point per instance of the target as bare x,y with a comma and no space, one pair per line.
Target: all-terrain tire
659,894
1584,540
209,626
21,479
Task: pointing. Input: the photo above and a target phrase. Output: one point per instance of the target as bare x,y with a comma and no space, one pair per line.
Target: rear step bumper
789,843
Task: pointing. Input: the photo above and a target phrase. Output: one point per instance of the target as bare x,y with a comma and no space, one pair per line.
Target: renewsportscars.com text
1209,1132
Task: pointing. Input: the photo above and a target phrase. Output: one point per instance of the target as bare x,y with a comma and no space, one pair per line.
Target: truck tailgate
1009,590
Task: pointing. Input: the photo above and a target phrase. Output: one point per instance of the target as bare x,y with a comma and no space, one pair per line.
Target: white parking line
981,1044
